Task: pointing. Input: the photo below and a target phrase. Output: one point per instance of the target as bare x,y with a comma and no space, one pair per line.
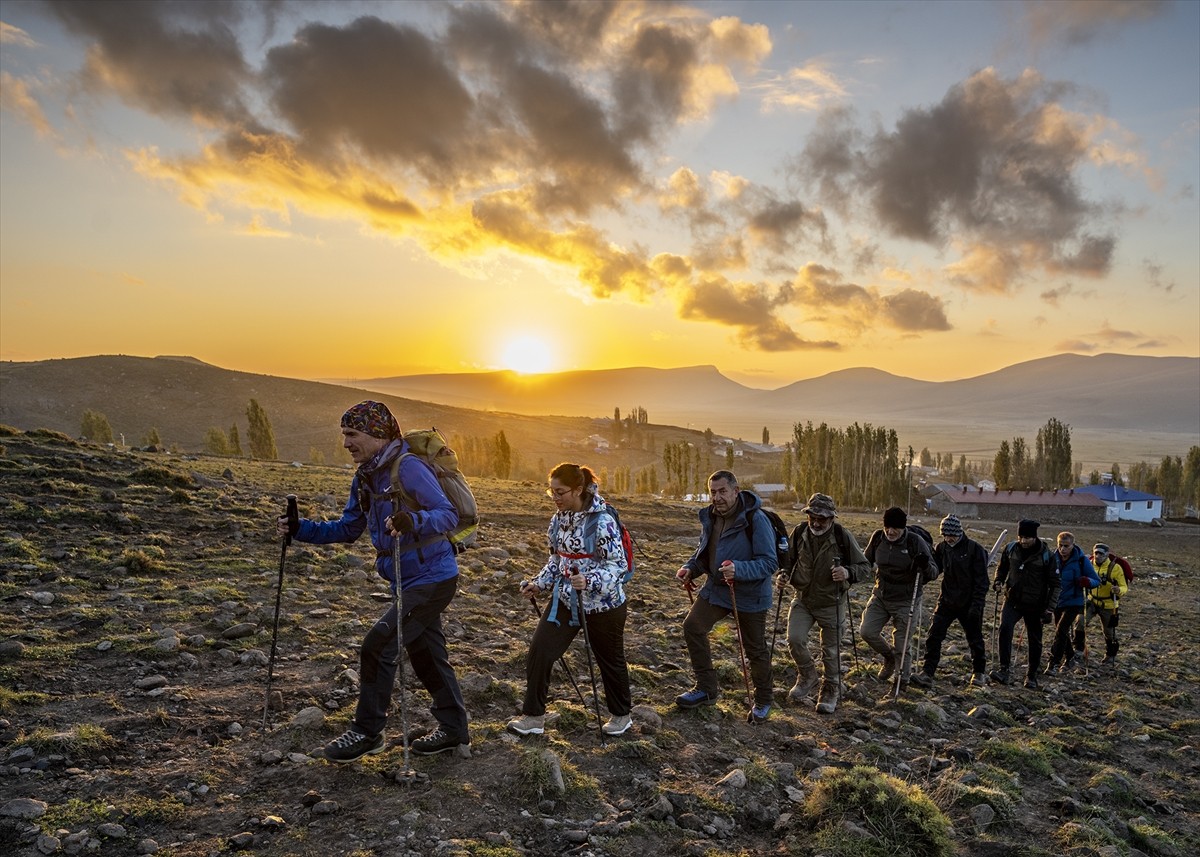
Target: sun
526,354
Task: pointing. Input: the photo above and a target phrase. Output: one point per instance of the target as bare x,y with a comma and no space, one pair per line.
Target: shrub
902,819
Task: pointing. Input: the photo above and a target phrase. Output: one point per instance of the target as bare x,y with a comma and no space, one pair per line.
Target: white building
1125,504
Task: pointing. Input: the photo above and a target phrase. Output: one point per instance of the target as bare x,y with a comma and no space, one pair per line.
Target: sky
353,190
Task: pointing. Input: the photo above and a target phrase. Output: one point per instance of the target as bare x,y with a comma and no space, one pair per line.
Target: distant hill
1119,407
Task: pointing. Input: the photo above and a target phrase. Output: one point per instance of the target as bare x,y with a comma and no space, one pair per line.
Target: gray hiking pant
831,620
878,613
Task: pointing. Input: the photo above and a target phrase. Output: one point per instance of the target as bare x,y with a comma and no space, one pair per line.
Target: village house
1125,504
1060,506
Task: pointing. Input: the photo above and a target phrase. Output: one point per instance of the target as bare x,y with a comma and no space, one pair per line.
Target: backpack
1126,568
429,446
783,556
913,530
590,524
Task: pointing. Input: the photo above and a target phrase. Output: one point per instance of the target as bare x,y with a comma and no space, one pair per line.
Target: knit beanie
371,418
951,526
895,517
1027,528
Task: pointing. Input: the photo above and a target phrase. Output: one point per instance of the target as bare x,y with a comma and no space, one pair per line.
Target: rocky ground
138,593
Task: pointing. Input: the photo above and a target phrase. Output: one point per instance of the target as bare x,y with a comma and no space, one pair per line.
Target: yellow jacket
1112,586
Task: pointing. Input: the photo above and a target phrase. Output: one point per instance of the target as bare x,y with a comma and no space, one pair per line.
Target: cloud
823,293
1107,337
809,87
16,96
995,166
1153,273
10,35
1077,22
173,59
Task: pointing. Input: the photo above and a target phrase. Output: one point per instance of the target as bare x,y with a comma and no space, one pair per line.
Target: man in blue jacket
1077,575
737,552
428,580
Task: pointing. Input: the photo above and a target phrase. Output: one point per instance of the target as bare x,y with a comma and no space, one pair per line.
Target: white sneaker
528,724
617,724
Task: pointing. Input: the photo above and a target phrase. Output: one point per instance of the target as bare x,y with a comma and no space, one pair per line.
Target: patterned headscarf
371,418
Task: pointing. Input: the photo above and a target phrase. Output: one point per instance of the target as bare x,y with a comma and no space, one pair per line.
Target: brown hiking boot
806,683
889,667
827,701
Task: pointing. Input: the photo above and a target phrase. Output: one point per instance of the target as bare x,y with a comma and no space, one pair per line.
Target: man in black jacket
1028,574
963,564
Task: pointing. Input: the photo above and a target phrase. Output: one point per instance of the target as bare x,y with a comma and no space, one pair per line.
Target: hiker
903,564
594,566
428,579
737,552
1104,601
963,563
1028,575
1075,575
827,560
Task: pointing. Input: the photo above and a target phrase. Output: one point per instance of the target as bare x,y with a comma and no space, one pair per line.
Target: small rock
150,682
273,822
554,764
242,629
325,807
11,649
242,840
271,757
147,846
44,598
254,658
20,756
310,717
735,779
110,830
982,815
47,844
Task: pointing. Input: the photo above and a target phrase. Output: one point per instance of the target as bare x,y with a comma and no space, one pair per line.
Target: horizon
936,191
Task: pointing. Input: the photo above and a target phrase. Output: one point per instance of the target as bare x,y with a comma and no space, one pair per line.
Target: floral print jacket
603,571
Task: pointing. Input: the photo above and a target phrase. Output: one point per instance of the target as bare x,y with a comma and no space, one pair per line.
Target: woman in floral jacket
586,559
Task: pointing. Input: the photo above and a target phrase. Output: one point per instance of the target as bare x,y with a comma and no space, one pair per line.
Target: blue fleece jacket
1074,571
753,562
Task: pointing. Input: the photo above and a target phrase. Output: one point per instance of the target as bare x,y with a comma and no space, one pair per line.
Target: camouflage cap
820,505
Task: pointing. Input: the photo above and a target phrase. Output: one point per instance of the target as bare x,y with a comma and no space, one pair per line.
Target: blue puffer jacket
369,507
1073,571
753,563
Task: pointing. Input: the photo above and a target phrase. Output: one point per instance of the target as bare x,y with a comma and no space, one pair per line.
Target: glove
921,562
403,523
998,585
1048,617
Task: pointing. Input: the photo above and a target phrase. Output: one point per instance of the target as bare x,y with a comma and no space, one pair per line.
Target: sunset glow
778,189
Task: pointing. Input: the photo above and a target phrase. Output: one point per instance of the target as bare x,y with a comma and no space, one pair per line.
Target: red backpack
1126,568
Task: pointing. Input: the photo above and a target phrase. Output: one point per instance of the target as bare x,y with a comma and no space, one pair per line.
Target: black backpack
839,536
782,545
913,530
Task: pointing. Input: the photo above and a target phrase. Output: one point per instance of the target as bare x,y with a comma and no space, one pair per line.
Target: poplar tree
94,426
262,437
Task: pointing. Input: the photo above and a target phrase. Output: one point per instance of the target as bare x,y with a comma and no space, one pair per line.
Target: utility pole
908,503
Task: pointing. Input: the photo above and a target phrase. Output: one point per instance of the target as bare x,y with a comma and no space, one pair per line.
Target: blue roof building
1125,504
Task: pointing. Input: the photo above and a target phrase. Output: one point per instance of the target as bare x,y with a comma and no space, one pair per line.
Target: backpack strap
397,489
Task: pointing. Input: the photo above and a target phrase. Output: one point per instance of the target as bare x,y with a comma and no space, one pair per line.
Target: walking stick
293,517
737,625
562,659
992,554
907,630
1087,597
398,604
690,587
837,646
853,622
775,626
587,643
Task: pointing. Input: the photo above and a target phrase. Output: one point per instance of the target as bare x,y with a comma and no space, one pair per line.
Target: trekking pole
837,646
992,554
293,517
587,644
853,638
690,587
398,604
1087,597
907,630
775,626
737,626
562,659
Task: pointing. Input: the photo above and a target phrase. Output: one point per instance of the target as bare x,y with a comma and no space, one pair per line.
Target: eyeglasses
558,492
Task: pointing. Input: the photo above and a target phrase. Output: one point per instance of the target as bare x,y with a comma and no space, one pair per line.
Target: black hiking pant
426,646
1062,651
972,624
1033,632
605,631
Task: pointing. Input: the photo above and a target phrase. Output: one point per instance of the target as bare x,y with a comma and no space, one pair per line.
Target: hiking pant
831,620
972,625
1107,622
696,627
605,631
426,646
1033,631
878,612
1062,651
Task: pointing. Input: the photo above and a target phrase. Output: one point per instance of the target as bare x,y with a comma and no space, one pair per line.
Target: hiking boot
618,724
827,701
889,667
528,724
1051,669
1031,682
978,680
806,683
760,712
922,679
1072,663
437,741
1001,676
352,745
696,697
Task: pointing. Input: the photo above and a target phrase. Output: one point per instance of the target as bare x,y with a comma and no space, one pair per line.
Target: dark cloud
383,89
779,223
172,57
822,290
995,165
913,310
1077,22
750,308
